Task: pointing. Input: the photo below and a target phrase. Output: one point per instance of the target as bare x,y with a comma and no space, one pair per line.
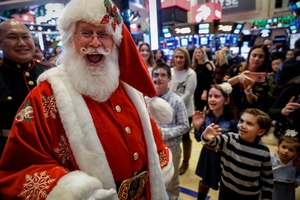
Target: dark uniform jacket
16,82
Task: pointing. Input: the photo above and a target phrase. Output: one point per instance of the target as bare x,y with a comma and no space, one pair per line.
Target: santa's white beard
97,83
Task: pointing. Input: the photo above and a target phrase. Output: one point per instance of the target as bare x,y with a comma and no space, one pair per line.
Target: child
171,132
220,112
273,88
286,176
246,170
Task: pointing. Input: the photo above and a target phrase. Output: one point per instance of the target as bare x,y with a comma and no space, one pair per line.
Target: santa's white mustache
91,50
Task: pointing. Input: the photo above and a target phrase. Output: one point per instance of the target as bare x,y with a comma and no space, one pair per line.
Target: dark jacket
15,83
290,68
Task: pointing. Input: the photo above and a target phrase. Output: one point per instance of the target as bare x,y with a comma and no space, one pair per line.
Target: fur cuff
160,110
75,185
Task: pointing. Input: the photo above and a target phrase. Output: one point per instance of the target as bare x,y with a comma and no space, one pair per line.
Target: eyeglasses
89,35
156,75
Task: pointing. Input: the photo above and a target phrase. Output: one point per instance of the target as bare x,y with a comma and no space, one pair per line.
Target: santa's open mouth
94,58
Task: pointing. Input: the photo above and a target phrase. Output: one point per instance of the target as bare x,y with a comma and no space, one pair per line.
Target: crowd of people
109,120
236,96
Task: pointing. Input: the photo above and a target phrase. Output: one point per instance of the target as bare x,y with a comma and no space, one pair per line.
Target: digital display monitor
293,28
204,40
238,28
235,50
184,42
222,40
293,38
234,40
280,38
203,28
169,42
166,30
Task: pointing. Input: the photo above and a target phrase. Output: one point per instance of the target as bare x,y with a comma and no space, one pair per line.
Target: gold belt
132,188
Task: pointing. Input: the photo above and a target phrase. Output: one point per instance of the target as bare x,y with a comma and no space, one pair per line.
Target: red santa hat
133,70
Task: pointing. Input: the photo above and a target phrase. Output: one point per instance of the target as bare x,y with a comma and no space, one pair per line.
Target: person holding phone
286,107
248,80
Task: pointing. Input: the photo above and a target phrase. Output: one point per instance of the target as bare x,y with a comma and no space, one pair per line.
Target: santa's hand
102,194
211,132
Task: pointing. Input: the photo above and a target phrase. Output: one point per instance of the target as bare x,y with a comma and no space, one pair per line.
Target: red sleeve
28,169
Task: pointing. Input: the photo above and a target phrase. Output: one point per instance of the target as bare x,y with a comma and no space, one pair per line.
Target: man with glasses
84,132
18,72
171,132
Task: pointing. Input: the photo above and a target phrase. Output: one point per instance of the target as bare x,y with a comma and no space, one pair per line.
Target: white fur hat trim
91,11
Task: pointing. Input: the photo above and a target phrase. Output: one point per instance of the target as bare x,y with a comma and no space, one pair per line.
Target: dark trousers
228,194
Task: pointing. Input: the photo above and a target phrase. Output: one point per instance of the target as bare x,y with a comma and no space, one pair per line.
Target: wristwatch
248,92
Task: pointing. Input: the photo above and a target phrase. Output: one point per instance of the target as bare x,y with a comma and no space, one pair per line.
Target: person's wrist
237,77
248,92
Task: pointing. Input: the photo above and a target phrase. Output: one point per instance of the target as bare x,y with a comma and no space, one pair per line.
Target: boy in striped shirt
245,160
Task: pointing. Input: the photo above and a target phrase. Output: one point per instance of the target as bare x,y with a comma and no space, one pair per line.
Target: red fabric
133,69
33,141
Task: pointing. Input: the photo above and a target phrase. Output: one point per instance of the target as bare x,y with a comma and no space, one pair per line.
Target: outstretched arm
211,132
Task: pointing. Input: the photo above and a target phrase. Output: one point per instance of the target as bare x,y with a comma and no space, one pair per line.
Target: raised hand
290,107
198,119
211,132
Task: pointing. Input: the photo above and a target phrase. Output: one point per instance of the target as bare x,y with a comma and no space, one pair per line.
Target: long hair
187,63
204,57
150,60
228,108
265,65
220,59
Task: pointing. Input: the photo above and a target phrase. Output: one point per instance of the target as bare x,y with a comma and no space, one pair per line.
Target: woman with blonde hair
204,70
221,67
184,83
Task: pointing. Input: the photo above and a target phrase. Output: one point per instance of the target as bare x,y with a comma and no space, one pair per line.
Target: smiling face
198,54
161,79
216,100
249,128
92,42
257,57
179,60
145,52
16,42
286,151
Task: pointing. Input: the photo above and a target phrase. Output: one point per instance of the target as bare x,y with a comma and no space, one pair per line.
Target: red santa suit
65,146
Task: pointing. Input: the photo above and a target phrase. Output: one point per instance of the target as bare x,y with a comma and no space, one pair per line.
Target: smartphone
259,77
298,100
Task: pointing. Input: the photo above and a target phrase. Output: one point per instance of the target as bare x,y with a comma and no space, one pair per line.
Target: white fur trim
160,110
157,187
84,142
79,127
74,185
168,171
91,11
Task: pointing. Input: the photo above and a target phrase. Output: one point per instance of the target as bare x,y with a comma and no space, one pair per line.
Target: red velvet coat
64,145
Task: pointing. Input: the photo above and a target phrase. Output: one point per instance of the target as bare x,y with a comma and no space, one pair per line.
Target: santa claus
88,134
